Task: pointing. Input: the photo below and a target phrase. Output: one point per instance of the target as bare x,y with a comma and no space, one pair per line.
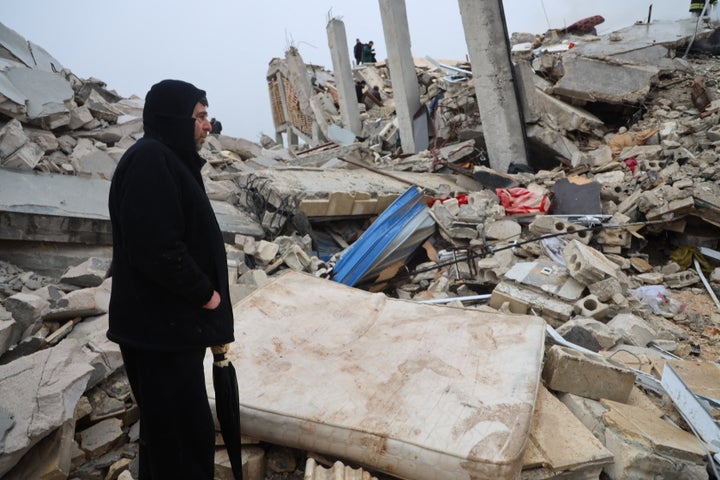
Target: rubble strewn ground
610,236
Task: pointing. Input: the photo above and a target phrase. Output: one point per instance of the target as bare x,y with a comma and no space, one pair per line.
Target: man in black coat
170,298
357,51
359,90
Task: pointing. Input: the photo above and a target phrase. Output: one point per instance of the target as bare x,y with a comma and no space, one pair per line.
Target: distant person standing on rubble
359,90
372,97
170,298
357,51
215,126
368,53
696,6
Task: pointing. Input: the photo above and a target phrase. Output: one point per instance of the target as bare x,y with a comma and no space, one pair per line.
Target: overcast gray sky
224,46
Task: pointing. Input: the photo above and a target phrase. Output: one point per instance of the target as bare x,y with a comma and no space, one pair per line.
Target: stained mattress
417,391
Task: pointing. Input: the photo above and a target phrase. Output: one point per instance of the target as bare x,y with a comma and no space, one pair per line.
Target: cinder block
587,265
652,165
614,237
592,307
547,225
681,279
553,311
590,376
612,191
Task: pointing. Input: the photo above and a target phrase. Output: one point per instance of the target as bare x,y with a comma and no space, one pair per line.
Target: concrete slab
413,390
65,208
602,81
315,187
561,443
702,378
672,34
663,437
234,221
548,276
32,55
45,92
51,207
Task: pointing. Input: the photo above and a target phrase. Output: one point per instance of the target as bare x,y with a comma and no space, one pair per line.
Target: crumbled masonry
601,256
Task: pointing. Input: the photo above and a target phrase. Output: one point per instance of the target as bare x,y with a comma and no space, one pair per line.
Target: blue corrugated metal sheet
393,237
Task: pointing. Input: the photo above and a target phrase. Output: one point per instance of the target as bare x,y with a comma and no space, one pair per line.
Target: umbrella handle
220,355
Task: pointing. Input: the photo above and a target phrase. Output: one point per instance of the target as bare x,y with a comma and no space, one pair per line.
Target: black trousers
177,431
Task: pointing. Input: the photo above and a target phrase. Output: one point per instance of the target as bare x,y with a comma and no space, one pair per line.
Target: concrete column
489,49
337,41
406,91
524,77
286,111
292,137
299,79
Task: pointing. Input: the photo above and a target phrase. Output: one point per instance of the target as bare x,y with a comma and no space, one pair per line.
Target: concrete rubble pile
609,234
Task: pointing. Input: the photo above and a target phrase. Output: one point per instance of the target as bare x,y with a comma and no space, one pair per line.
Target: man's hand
214,301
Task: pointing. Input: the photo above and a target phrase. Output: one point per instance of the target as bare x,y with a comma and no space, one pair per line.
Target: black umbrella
227,406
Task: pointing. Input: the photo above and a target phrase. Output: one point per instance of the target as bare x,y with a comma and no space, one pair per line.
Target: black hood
167,115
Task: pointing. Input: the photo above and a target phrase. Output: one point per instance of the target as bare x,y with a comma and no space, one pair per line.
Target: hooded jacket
168,250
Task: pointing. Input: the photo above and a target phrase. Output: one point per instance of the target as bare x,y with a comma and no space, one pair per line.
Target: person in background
170,298
372,97
359,87
432,108
696,6
215,126
357,51
368,53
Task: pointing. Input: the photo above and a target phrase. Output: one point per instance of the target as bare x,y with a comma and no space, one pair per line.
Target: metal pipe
697,25
461,299
706,283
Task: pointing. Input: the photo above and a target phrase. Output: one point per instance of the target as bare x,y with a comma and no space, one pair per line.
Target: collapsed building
435,316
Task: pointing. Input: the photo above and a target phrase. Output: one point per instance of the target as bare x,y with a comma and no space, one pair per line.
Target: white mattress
417,391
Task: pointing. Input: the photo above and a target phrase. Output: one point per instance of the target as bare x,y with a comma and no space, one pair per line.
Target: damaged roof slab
599,80
315,189
65,208
672,34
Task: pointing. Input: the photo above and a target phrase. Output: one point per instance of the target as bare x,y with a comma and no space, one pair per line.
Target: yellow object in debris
629,139
684,256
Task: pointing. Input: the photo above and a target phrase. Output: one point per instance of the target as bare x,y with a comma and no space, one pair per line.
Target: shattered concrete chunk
55,378
26,310
16,148
604,81
633,329
89,160
571,371
101,437
47,96
90,273
603,335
